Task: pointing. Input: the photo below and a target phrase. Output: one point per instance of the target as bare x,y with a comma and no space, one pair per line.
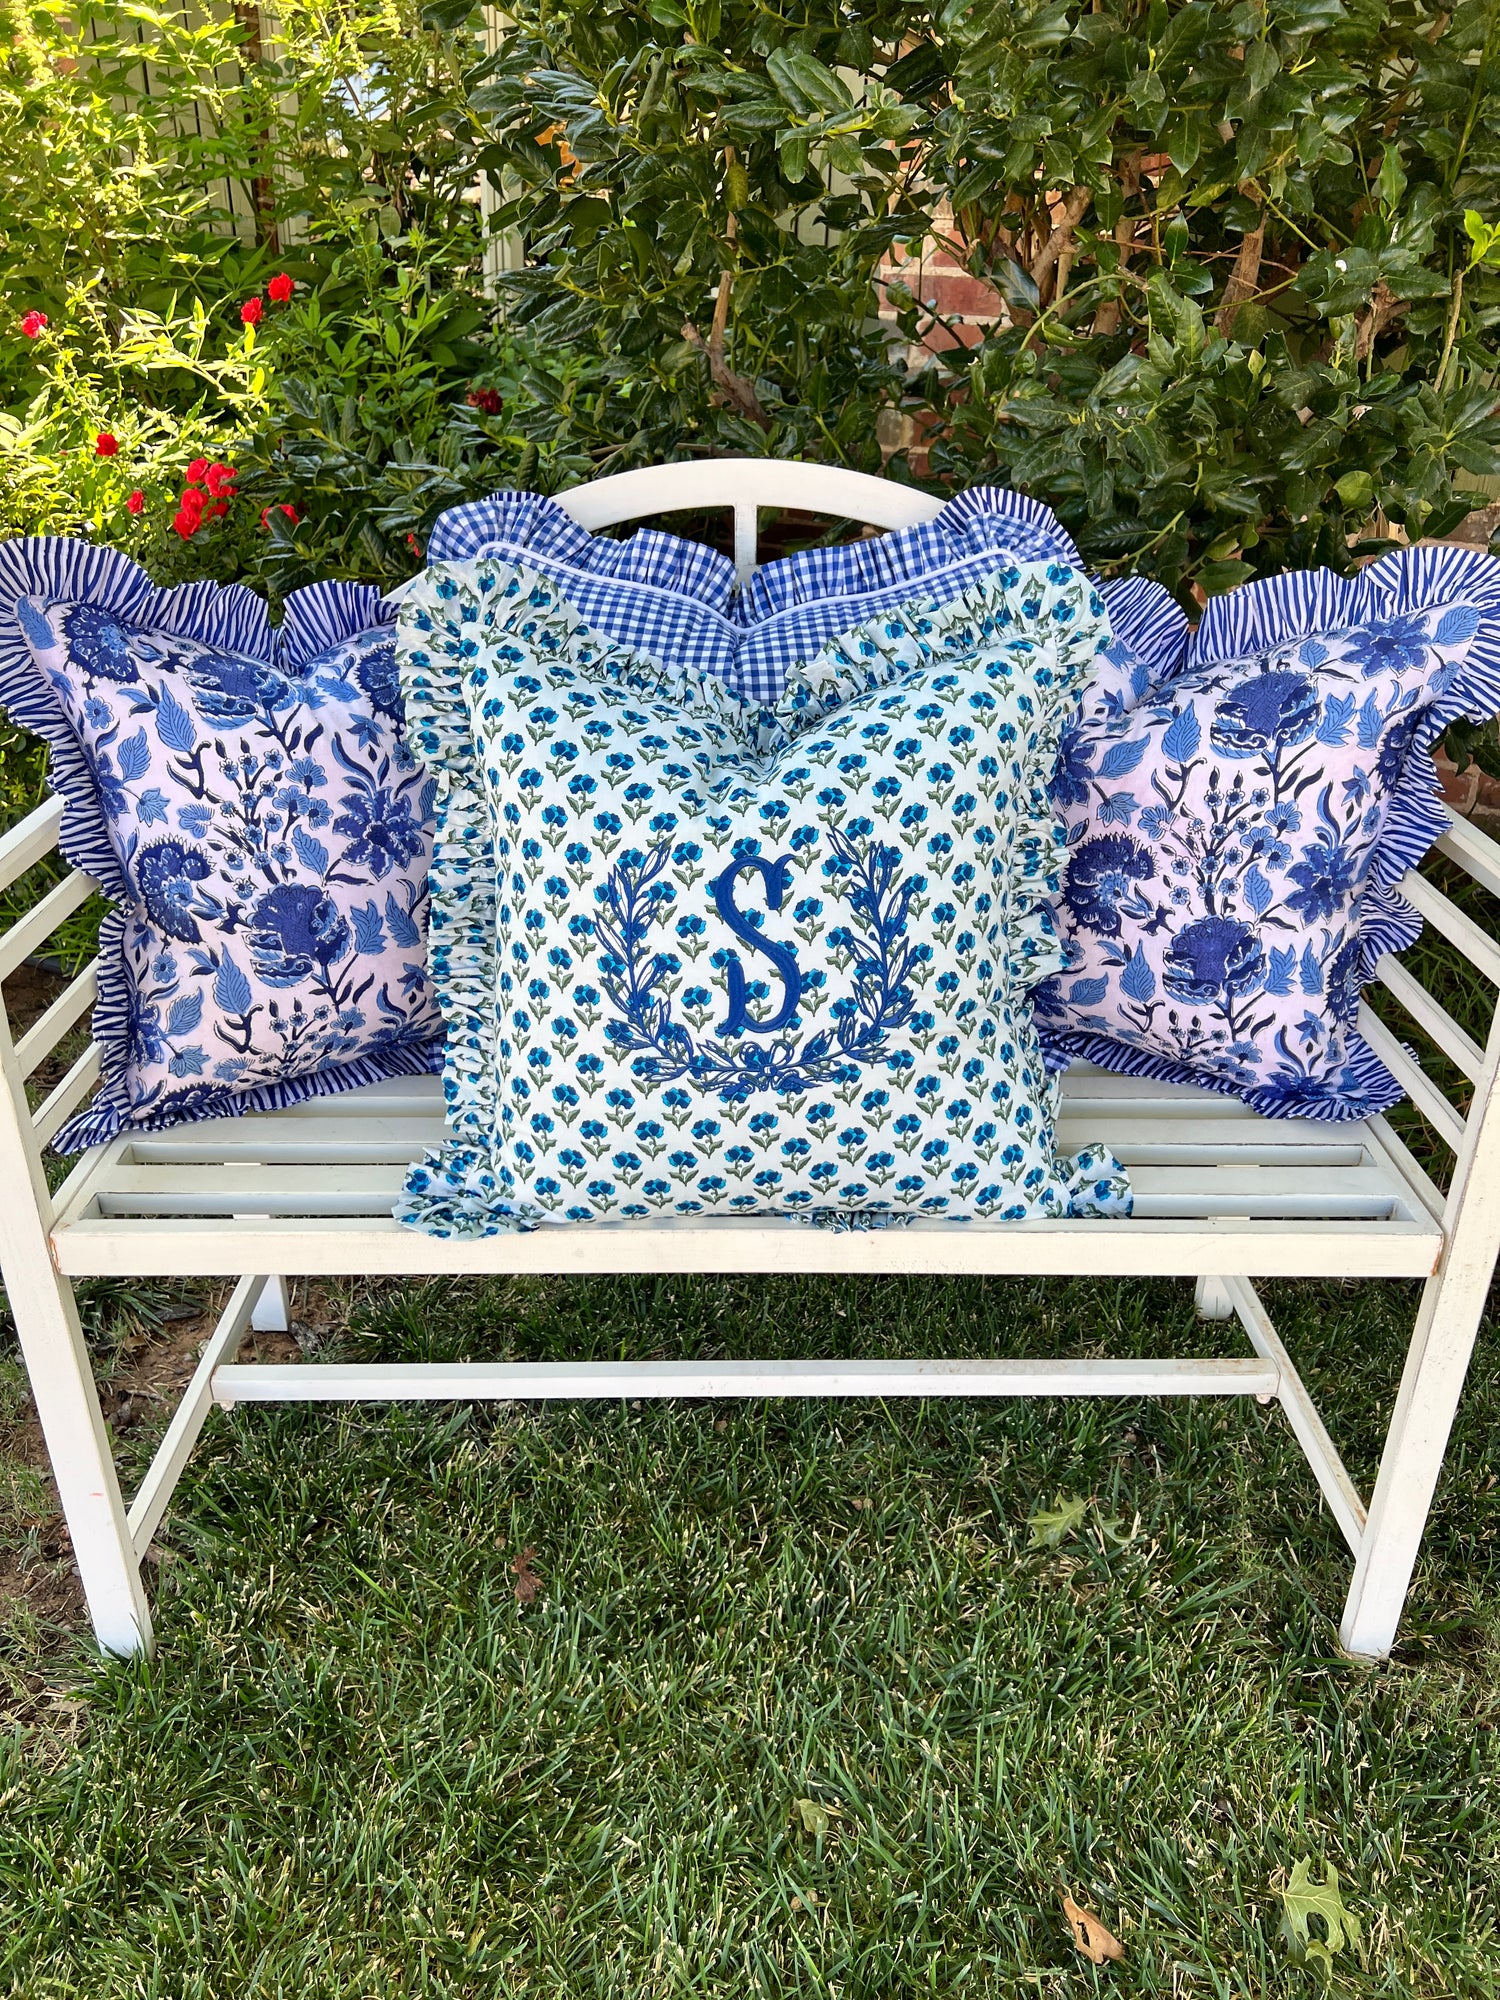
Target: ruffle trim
1376,1088
996,614
453,1192
534,528
985,520
100,1123
1014,605
1146,622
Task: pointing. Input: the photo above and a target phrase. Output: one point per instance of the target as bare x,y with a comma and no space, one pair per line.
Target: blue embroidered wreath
632,973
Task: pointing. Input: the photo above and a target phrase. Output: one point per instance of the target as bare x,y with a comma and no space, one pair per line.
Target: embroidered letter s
776,876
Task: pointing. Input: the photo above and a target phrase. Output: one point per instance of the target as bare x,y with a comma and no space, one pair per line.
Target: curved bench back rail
1221,1195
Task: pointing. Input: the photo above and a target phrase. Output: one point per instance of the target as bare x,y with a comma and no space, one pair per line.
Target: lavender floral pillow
246,799
1240,811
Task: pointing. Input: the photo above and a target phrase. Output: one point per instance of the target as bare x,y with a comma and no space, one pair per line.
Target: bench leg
1211,1299
1436,1363
273,1309
67,1403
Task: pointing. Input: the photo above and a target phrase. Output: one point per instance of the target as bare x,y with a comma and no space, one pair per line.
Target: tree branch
1107,319
1244,280
737,390
1045,263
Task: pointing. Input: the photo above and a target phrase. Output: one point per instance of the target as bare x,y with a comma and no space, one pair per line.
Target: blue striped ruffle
1147,622
1367,1084
56,569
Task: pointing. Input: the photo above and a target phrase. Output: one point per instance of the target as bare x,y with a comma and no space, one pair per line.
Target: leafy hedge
1247,255
1247,251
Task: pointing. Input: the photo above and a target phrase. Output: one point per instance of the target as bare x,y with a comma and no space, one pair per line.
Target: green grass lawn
359,1767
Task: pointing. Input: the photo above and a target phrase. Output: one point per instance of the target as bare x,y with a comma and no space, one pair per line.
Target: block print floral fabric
265,832
702,958
1238,822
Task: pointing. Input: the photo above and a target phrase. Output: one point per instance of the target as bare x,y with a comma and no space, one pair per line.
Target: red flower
487,400
197,472
282,507
252,312
33,324
219,507
106,445
280,288
415,546
186,524
136,501
219,479
191,503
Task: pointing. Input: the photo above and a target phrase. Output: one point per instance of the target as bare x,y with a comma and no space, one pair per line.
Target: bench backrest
743,486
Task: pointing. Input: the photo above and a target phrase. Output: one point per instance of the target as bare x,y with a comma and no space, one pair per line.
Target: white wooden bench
1223,1196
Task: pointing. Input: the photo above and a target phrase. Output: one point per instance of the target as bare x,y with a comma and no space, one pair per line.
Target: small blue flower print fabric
247,800
1241,807
699,957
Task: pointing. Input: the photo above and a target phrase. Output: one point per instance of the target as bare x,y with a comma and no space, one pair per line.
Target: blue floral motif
1213,959
1395,646
293,931
1103,880
228,689
97,641
265,839
381,830
165,873
702,957
1269,711
375,672
1225,939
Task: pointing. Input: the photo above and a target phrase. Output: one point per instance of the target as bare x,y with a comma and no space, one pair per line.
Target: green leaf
918,73
447,16
815,1819
1485,237
1049,1527
793,151
1302,1901
806,86
1356,490
1217,577
1390,182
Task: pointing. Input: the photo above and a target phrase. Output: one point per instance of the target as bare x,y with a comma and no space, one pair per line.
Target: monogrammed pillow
698,957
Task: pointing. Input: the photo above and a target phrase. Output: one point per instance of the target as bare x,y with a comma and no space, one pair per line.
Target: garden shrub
1247,253
1246,250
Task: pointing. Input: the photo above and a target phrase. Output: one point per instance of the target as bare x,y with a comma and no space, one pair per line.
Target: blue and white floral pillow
1240,812
246,799
703,958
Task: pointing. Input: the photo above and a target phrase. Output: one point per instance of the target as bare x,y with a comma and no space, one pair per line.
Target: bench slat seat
318,1182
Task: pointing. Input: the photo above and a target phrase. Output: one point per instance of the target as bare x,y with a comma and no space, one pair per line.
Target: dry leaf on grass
528,1583
1301,1899
1097,1944
1048,1527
